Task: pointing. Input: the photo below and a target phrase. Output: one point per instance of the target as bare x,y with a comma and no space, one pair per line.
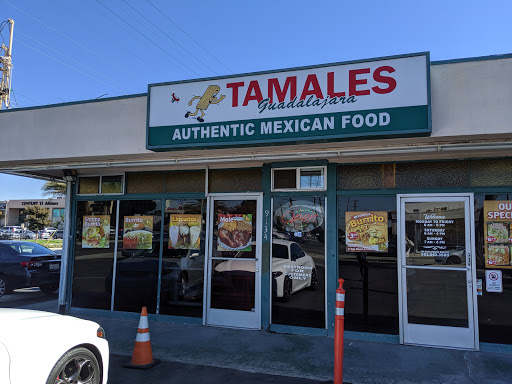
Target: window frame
123,185
298,171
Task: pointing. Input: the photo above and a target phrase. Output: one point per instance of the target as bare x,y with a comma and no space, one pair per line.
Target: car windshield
279,251
26,249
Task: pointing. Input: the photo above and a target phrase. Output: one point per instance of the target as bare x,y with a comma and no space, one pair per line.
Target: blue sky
77,50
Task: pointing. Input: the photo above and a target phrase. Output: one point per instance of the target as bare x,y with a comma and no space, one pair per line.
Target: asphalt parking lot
168,372
26,296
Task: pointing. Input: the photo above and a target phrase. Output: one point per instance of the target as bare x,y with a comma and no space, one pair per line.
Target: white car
43,347
292,269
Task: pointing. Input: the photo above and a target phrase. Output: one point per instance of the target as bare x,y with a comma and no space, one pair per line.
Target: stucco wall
471,98
468,98
114,127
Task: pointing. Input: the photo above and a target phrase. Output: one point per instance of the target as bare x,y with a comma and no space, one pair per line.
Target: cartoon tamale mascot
209,97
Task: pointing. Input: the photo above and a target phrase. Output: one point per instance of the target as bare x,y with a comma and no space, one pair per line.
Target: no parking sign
493,281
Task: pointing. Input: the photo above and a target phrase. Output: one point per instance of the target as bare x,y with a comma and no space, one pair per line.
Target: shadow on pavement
168,372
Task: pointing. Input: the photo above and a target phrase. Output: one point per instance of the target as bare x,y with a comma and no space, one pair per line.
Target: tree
37,217
54,189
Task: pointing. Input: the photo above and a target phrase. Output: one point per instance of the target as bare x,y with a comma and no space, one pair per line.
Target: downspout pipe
66,254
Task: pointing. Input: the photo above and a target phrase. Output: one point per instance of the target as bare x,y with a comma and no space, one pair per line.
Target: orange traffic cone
142,357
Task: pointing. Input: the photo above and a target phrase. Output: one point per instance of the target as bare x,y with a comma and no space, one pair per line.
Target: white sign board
493,281
330,102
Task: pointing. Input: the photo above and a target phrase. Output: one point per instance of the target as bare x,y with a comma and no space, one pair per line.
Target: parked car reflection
137,278
292,269
233,285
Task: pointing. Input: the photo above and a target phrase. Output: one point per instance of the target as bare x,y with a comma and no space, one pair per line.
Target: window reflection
234,242
137,265
371,281
495,322
183,256
94,254
298,262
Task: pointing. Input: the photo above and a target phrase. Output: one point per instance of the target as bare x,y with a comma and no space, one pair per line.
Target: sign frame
159,137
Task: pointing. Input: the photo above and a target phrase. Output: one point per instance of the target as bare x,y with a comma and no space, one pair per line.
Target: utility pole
6,69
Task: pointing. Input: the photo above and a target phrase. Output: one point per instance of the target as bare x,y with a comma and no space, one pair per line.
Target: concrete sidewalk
305,357
308,357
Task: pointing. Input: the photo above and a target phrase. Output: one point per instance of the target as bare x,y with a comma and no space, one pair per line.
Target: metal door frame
468,199
254,323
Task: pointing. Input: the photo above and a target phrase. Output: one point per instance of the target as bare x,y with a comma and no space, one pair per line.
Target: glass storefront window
368,262
89,185
298,262
285,178
138,261
183,256
311,179
438,240
112,184
94,254
495,321
302,178
233,255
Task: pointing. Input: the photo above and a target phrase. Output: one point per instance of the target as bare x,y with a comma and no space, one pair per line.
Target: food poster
184,231
497,233
138,232
235,232
96,231
366,231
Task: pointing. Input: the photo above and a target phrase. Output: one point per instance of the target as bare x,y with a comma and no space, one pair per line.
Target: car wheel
182,286
3,286
453,260
287,289
314,280
49,288
78,365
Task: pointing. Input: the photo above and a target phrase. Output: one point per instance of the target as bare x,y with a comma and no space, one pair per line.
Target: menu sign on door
435,227
497,233
435,233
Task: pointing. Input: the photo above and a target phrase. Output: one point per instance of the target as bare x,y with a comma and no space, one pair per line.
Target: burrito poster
138,232
96,231
184,231
497,231
366,231
235,232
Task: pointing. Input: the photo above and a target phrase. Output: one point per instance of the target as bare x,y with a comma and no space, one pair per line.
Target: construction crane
6,69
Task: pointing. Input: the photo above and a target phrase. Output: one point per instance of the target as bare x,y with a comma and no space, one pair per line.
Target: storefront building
15,210
240,201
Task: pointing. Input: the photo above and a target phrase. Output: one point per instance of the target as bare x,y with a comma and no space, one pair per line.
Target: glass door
436,270
234,259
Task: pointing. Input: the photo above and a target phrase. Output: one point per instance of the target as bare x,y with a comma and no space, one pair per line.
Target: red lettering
316,91
290,217
330,86
235,87
253,87
391,82
290,83
353,82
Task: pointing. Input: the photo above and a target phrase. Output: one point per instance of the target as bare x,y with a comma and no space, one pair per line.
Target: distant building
2,212
13,212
